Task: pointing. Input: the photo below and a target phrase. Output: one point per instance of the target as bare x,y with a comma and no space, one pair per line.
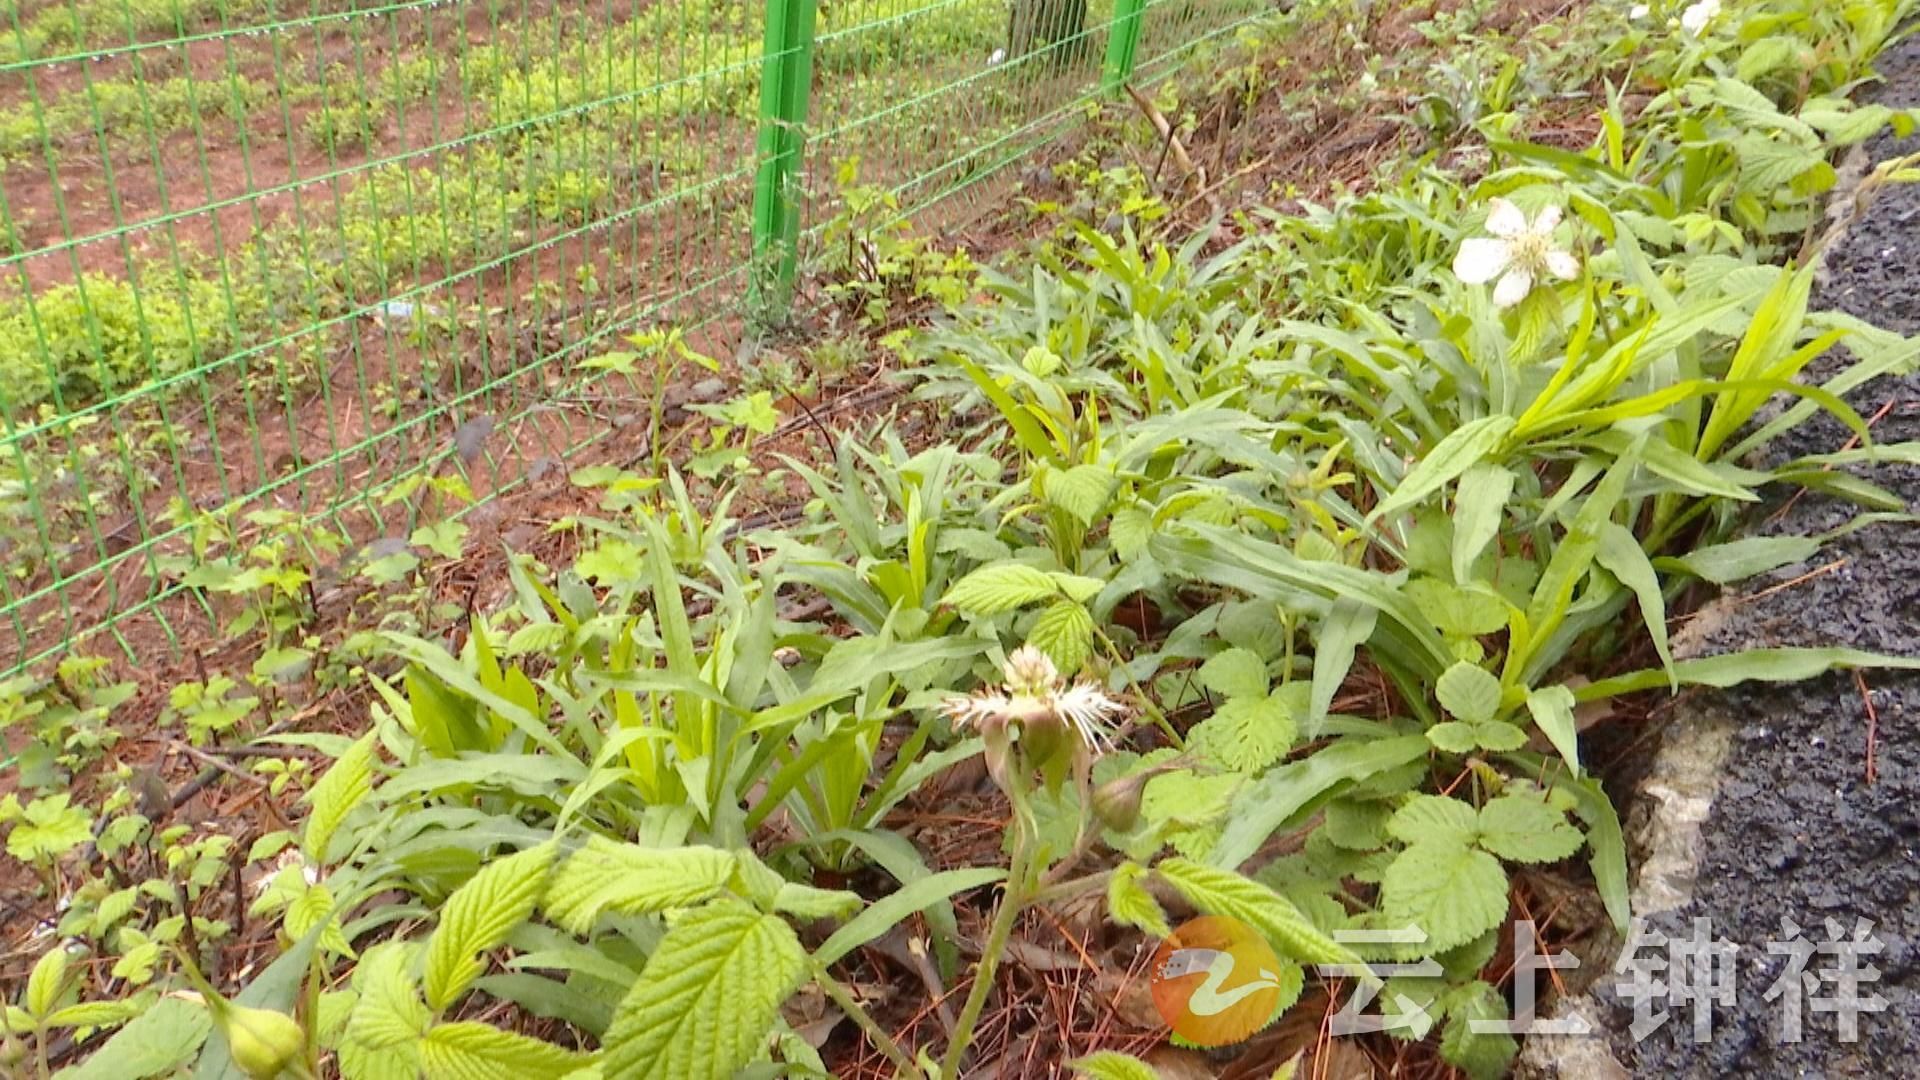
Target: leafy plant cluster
1321,531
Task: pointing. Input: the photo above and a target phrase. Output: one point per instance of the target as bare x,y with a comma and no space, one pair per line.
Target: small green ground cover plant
1314,528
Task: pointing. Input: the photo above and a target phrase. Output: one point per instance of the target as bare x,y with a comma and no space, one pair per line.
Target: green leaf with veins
1469,693
1523,828
1452,892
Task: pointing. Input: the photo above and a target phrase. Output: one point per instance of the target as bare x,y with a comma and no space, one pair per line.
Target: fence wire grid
260,255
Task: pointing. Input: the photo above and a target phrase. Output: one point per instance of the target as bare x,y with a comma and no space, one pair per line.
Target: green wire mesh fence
294,258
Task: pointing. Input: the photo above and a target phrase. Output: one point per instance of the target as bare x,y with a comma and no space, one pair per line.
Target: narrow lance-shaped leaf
1463,448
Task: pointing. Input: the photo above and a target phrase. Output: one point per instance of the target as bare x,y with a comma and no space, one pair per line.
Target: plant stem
1139,694
1012,901
875,1033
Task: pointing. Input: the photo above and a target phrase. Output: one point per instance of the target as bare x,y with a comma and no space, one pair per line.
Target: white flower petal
1639,11
1506,220
1513,288
1481,260
1088,709
1563,265
1548,220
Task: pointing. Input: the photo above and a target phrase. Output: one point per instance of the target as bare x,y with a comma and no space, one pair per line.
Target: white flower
1518,254
1638,12
1694,20
1036,694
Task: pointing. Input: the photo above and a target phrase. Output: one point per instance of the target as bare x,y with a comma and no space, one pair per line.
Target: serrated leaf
1130,904
46,981
1552,709
478,917
157,1041
707,998
1498,736
1001,587
1130,529
335,796
1523,828
1081,491
1109,1065
389,1014
1454,737
1235,673
605,875
1077,587
1468,692
1356,825
1435,819
1451,892
1481,1055
1284,791
1459,610
1248,734
1065,633
465,1050
1225,892
807,902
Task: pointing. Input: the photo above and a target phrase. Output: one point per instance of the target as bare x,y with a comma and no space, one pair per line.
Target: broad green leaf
334,797
1065,633
1737,560
1462,449
708,997
1452,892
1459,611
1082,491
1224,892
1247,734
1130,530
884,914
156,1042
1469,692
49,828
1347,626
1552,709
1455,737
604,875
1482,1055
1357,825
807,902
46,981
1523,828
1001,587
1110,1065
478,917
466,1050
1435,819
1235,673
1622,556
1288,789
1130,904
1478,506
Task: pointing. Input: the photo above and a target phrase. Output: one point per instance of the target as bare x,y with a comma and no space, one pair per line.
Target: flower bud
1117,802
262,1042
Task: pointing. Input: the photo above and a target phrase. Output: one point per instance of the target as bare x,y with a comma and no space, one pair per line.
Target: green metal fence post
1121,43
786,75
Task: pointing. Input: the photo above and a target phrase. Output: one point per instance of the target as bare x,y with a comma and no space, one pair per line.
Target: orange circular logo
1215,981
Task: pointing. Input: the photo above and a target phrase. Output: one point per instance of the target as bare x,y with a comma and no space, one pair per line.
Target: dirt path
1818,813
